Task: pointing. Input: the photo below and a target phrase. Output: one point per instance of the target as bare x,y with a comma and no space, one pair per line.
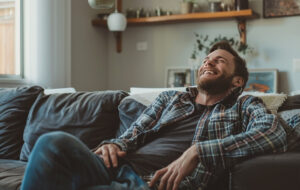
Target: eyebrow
221,57
217,58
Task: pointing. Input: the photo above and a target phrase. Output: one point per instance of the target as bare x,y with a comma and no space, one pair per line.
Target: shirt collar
229,99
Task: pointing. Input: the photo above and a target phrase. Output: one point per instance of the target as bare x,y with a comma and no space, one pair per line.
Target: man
184,138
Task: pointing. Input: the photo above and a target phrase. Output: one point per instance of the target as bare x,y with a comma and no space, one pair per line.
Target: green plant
204,43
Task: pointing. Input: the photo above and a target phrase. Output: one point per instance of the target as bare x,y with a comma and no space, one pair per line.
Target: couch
27,112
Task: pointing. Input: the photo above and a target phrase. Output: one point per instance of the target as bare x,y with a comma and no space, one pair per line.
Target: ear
238,81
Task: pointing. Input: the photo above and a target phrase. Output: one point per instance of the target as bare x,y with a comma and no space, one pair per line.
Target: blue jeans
61,161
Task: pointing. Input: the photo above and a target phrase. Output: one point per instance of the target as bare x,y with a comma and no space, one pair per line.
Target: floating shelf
241,17
243,14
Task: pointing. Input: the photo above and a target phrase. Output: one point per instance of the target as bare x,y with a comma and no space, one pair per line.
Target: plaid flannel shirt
234,128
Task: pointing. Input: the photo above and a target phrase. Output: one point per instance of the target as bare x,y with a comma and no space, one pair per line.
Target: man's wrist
195,153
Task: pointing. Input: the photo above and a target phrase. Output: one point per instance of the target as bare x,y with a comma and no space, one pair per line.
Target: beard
215,86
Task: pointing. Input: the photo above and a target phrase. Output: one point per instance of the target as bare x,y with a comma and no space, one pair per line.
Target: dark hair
240,64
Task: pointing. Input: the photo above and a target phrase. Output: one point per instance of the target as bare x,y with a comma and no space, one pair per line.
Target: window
10,39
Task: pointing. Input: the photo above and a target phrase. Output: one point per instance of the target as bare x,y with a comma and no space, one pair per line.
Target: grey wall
275,40
89,49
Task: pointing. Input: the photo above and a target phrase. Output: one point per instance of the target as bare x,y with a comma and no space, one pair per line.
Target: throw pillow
129,111
272,100
132,107
90,116
14,107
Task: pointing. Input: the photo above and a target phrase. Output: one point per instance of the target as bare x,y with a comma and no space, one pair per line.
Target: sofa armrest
276,172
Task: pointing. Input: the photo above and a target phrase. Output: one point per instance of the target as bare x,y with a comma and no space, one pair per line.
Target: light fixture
116,21
104,6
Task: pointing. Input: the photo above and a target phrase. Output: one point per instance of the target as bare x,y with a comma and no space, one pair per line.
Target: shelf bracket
118,37
242,30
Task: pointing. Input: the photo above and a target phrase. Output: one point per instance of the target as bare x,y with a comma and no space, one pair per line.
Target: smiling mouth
209,72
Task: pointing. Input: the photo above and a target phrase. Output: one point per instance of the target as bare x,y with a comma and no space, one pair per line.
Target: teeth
209,72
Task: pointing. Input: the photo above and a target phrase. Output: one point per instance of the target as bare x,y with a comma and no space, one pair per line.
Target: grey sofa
26,113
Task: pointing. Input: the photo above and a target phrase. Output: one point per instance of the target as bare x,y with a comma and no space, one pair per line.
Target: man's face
216,73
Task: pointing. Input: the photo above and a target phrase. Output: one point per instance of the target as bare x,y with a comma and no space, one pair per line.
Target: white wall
277,41
89,49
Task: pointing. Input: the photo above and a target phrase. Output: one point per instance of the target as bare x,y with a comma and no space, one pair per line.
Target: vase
186,7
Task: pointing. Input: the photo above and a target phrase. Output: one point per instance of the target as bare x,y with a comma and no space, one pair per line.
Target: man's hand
110,153
173,174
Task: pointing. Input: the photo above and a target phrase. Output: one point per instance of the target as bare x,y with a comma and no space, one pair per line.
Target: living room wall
88,49
170,45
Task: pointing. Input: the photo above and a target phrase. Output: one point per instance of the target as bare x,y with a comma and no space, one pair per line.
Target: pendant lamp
116,22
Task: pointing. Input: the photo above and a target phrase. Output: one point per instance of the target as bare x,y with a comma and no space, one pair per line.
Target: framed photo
280,8
180,77
262,80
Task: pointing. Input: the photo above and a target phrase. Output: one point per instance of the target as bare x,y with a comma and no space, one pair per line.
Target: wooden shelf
243,14
241,17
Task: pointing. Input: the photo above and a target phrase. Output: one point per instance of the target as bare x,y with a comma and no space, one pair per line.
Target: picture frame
280,8
262,80
180,77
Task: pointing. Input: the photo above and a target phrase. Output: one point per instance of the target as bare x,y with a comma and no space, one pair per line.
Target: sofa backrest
90,116
14,107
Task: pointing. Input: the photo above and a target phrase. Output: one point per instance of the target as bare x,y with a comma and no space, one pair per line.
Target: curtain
47,42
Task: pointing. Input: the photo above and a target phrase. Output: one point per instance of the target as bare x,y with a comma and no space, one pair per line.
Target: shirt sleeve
261,133
134,136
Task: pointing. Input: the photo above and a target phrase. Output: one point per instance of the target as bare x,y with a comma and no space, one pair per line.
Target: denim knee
57,140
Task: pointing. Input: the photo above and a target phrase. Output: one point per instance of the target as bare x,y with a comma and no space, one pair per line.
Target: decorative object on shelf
157,11
103,6
228,5
142,13
262,80
215,6
241,4
130,13
186,6
280,8
179,77
203,44
240,16
196,7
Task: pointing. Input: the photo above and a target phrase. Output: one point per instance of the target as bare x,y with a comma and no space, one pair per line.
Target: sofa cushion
129,111
292,102
276,172
14,107
133,106
11,174
90,116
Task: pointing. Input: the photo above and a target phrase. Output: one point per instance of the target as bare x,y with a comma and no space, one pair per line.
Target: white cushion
295,92
59,90
272,100
138,90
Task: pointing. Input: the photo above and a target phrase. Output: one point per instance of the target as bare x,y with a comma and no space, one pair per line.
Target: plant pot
186,7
